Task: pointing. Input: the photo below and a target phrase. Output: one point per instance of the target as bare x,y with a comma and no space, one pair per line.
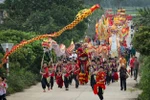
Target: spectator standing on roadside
136,68
132,64
123,73
1,88
5,86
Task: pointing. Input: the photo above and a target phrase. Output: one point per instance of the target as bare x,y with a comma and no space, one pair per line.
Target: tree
24,63
44,17
28,57
141,41
144,17
145,80
142,44
90,31
142,36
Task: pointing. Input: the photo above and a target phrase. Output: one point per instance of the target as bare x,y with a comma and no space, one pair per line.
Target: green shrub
145,79
141,40
20,79
24,63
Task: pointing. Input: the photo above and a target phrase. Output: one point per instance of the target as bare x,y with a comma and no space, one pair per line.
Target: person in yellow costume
122,61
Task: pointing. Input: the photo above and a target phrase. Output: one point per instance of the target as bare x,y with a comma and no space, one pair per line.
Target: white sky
1,1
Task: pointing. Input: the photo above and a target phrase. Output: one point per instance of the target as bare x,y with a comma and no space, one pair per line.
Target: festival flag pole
42,59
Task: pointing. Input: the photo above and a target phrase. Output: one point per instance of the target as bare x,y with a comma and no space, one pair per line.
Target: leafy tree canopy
44,17
143,18
141,39
28,57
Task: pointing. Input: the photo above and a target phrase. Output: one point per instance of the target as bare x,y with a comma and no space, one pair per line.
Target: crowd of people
63,72
83,68
100,70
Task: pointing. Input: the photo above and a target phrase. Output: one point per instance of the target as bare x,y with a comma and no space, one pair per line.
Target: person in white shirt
1,88
73,56
5,86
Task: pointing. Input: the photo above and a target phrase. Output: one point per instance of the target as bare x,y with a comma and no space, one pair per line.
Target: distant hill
119,3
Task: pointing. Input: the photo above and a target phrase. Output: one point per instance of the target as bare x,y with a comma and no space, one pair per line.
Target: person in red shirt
70,71
125,43
100,60
52,75
76,70
100,82
59,78
82,60
132,60
66,71
45,74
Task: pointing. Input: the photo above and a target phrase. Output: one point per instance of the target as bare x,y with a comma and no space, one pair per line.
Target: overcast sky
1,1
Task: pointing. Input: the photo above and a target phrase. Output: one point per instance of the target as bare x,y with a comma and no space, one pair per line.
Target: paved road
112,92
